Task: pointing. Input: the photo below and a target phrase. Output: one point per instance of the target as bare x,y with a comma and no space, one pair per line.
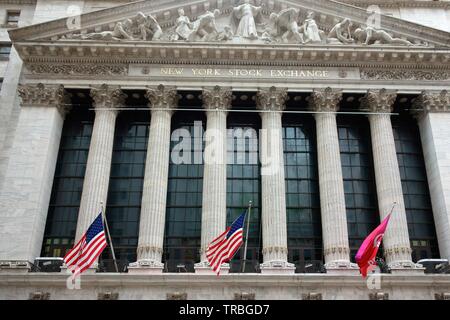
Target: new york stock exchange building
173,117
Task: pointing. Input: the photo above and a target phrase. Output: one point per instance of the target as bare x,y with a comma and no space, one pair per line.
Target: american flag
223,248
86,251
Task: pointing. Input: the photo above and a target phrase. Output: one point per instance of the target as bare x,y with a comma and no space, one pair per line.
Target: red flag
365,257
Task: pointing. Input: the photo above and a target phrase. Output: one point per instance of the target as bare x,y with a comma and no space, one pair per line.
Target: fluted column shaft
214,203
331,184
151,230
273,195
154,197
273,190
396,243
98,167
433,120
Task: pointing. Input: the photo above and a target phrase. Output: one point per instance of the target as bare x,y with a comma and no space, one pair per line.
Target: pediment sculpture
245,24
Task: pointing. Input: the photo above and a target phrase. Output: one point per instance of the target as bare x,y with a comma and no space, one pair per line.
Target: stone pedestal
145,267
274,229
154,197
15,267
205,268
277,267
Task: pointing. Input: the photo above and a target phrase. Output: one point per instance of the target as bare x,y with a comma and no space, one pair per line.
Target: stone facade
140,46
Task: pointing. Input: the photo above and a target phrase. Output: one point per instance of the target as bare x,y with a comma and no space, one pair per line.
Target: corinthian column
274,229
96,179
214,206
153,209
396,243
331,184
433,119
27,185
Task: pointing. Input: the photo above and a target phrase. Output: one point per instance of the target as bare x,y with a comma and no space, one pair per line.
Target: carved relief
368,35
245,23
284,25
311,30
140,27
341,33
82,69
404,75
244,19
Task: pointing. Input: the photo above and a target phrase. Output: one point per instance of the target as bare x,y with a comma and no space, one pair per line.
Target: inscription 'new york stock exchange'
244,73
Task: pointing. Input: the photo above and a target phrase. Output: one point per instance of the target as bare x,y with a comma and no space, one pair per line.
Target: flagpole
393,206
109,238
246,236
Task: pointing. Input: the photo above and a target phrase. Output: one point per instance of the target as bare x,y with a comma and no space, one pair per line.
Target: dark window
12,18
125,187
302,193
244,185
359,182
416,194
5,50
184,201
68,183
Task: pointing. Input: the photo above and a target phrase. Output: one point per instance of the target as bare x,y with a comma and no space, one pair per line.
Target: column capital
272,99
45,96
379,100
325,100
217,98
432,101
162,97
107,97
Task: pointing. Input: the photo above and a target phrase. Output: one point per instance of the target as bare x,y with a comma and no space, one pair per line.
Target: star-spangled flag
87,250
365,257
223,248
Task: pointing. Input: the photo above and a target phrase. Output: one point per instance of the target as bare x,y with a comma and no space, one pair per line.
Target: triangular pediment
276,22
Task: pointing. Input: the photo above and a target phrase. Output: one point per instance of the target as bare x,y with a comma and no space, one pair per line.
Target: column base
342,268
406,267
146,267
277,267
15,266
205,268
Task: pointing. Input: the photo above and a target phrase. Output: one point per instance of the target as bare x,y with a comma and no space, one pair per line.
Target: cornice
398,3
389,57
